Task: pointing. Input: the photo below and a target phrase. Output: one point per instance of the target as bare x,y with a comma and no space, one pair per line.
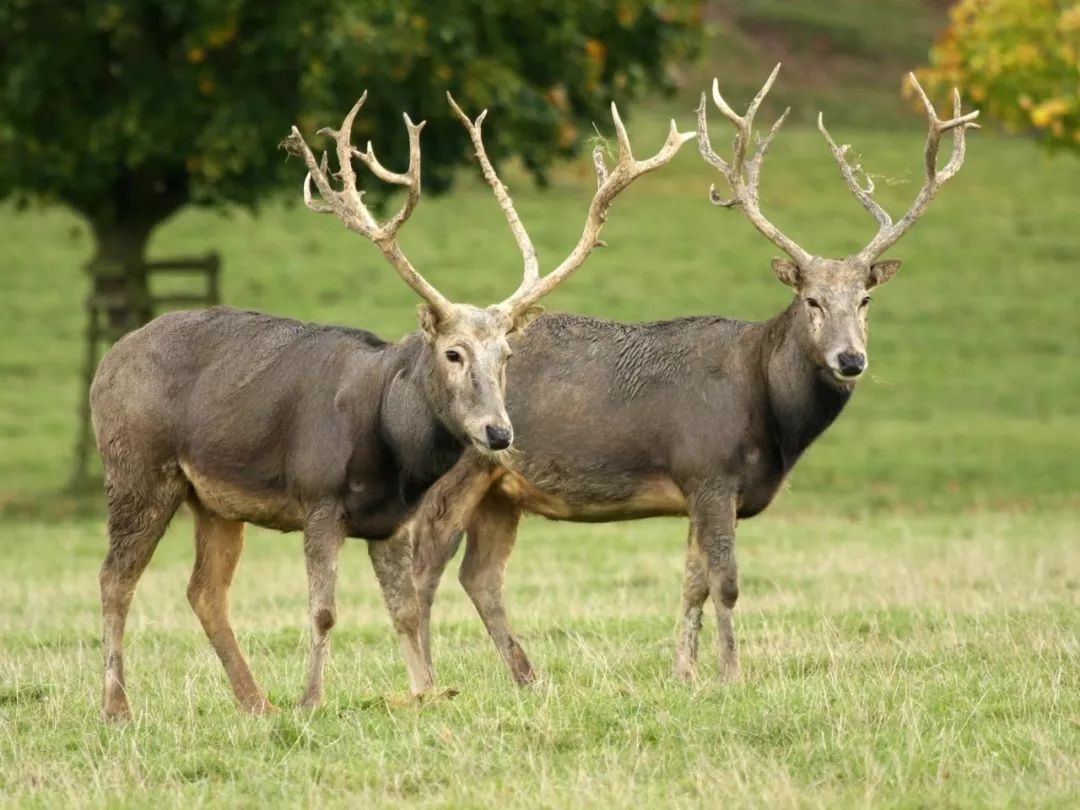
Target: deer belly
272,510
593,502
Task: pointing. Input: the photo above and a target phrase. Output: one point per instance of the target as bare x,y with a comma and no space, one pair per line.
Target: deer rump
265,416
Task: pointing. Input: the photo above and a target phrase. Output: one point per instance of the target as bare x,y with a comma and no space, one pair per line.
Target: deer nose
498,437
851,364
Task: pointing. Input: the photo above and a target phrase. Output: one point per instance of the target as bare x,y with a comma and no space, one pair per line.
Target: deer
326,430
701,417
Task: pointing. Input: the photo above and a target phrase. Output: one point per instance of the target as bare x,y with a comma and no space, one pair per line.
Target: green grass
973,394
910,604
901,662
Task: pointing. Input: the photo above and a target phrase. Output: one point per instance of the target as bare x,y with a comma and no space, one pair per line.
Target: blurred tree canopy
1019,60
128,110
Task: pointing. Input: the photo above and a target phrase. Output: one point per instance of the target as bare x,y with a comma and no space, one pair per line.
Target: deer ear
429,322
787,271
882,271
524,318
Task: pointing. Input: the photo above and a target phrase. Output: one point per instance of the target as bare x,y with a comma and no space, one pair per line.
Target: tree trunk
118,276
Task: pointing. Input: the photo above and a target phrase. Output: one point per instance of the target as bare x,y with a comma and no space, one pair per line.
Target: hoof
259,707
116,714
529,679
684,673
730,674
115,707
433,695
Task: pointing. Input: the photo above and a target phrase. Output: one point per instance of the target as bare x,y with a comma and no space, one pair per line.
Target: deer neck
412,424
803,400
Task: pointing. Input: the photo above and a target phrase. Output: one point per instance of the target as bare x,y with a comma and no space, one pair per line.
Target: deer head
467,345
833,293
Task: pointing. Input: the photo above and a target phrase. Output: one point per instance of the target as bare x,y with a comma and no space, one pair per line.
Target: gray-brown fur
696,416
297,426
292,426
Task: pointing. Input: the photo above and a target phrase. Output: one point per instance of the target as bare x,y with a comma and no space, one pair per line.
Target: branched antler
609,184
525,245
348,204
888,233
744,175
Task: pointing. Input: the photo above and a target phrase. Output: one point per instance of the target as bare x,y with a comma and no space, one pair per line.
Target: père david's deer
700,416
298,426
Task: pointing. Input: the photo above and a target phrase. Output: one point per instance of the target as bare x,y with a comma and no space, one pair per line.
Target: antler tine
318,206
599,165
343,142
743,176
888,234
528,252
863,195
410,178
609,185
348,204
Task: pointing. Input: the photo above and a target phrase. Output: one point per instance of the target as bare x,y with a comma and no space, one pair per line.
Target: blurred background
137,132
909,615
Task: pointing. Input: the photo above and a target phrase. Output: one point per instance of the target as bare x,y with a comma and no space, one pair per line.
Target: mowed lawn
910,604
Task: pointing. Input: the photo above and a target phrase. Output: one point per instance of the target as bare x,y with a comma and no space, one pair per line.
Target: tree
1017,59
128,110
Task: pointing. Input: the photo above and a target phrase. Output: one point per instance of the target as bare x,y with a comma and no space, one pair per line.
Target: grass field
910,605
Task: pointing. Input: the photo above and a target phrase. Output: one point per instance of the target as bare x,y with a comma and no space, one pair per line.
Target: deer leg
218,546
492,531
323,535
393,563
138,517
438,527
714,516
695,591
427,583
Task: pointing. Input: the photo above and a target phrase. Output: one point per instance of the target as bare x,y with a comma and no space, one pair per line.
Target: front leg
713,521
437,528
393,563
324,532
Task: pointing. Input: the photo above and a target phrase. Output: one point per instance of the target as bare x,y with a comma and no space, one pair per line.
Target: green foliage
1017,59
131,108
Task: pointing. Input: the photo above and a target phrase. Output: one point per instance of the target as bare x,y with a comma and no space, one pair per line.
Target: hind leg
218,546
140,508
695,592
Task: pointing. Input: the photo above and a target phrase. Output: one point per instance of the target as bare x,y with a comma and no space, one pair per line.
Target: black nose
851,364
498,438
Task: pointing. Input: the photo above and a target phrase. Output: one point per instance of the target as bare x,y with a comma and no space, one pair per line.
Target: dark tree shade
127,110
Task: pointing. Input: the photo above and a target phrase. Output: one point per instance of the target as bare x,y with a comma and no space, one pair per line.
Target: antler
348,204
533,287
888,233
744,176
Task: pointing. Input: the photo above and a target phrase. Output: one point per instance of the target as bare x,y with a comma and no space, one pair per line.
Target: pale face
470,351
834,302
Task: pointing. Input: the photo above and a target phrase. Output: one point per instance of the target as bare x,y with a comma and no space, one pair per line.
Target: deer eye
453,355
812,303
